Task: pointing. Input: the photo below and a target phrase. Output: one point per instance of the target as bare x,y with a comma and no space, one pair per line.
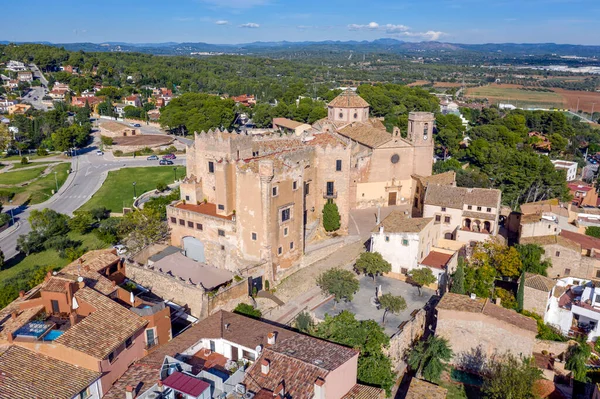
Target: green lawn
13,178
30,156
31,164
117,190
48,258
41,189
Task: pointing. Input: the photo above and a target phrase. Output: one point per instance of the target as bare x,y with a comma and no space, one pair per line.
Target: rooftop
463,303
366,134
207,209
551,240
420,389
586,242
287,123
539,282
442,179
25,374
180,266
348,99
437,260
186,384
457,197
398,222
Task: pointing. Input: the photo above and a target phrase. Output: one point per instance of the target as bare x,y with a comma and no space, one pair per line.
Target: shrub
267,285
6,195
331,217
42,152
545,331
118,153
4,218
60,243
304,322
161,186
248,310
106,140
24,161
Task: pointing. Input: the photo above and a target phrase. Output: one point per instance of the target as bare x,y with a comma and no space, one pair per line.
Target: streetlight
175,171
12,217
134,194
56,181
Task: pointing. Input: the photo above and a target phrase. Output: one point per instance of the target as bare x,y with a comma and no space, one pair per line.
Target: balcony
330,195
151,344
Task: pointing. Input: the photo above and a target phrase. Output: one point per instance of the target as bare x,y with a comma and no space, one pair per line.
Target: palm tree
428,357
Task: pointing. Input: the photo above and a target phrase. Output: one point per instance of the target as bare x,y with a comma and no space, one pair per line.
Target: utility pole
56,181
577,110
592,114
134,193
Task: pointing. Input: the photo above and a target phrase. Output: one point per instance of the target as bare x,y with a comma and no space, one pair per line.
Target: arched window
355,115
467,224
487,226
341,115
426,129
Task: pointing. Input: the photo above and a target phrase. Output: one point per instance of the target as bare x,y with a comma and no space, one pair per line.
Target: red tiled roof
186,384
204,208
435,259
586,242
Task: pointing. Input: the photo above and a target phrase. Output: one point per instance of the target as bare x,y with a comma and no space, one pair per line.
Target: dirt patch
447,84
586,99
148,140
418,83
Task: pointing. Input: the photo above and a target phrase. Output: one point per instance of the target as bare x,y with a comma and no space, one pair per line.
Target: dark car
165,162
169,156
152,158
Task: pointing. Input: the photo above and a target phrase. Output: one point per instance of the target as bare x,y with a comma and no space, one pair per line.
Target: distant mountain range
381,45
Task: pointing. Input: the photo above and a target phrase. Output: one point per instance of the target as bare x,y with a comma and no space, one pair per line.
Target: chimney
21,294
129,392
13,315
73,318
271,338
264,366
280,390
160,386
473,296
48,275
319,388
497,301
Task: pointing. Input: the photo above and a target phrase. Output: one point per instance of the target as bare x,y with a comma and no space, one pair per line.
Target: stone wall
535,301
228,298
407,335
550,346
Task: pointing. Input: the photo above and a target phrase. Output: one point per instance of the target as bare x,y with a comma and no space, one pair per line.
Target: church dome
348,99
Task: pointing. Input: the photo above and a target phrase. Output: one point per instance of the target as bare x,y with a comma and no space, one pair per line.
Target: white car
121,249
99,153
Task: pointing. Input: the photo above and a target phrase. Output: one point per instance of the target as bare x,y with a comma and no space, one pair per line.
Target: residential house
16,66
409,244
11,84
463,214
119,109
471,323
80,316
133,100
25,76
570,254
69,69
18,109
88,93
541,143
153,115
537,290
540,218
289,126
81,101
569,167
5,105
442,179
245,99
27,374
237,355
583,194
249,199
59,91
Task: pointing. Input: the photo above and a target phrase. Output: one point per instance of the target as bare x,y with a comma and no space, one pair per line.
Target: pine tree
458,278
521,293
331,216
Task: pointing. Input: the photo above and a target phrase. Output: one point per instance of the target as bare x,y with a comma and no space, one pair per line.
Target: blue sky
242,21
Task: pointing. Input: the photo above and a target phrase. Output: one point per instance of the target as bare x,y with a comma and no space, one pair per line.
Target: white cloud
222,22
397,30
250,25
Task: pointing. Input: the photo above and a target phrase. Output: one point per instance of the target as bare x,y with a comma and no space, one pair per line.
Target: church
257,199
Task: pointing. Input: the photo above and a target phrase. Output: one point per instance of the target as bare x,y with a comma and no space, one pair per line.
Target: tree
82,222
531,258
342,284
593,231
521,293
48,223
1,259
142,228
506,297
510,377
331,216
373,264
577,357
422,276
100,213
248,310
374,368
428,357
304,322
391,303
458,278
505,260
5,137
479,280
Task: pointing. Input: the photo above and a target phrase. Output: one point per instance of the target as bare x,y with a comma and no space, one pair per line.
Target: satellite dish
258,348
80,279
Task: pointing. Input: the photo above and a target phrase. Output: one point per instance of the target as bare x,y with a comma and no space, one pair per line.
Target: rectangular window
478,209
338,165
294,185
405,242
254,236
557,254
254,153
85,394
417,189
469,207
221,233
55,307
248,355
222,247
489,210
438,218
182,222
285,214
190,224
285,231
330,188
279,250
306,189
387,238
274,191
446,219
567,272
212,346
403,270
128,342
187,197
291,245
221,207
598,273
111,357
199,226
211,167
150,338
443,209
173,219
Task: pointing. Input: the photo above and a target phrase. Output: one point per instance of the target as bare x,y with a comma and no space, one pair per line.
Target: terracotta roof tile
457,197
586,242
398,222
420,389
442,179
551,240
359,391
25,374
324,354
103,330
366,134
436,259
539,282
348,99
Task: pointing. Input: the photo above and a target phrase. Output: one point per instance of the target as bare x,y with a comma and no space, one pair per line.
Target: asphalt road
89,172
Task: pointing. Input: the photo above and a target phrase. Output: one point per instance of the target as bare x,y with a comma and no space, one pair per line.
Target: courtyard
364,306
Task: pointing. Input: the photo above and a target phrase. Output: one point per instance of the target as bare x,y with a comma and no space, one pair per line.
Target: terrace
206,208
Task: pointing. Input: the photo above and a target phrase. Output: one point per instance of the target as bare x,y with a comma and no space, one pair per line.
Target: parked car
169,156
137,125
99,153
152,158
165,162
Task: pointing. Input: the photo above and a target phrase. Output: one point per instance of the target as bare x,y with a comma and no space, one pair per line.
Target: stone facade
249,200
535,300
408,333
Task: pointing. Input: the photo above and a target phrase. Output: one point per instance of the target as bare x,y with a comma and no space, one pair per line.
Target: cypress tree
331,216
521,293
458,278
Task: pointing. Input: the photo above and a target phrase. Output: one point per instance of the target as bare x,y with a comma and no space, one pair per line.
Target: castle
249,200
